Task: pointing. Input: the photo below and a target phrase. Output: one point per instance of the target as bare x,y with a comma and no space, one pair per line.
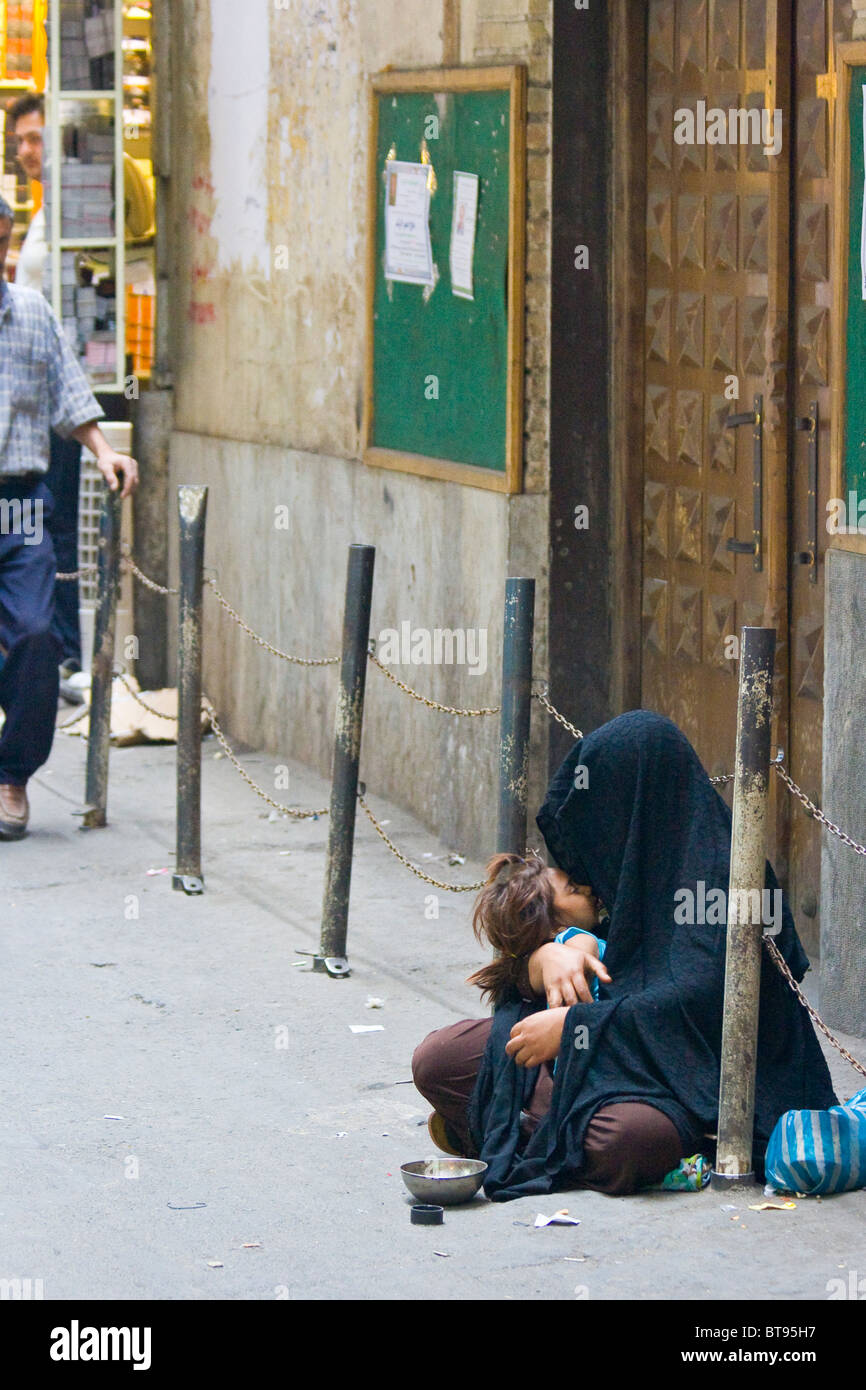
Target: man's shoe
14,812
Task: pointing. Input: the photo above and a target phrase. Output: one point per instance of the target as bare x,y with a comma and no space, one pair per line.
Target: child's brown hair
515,912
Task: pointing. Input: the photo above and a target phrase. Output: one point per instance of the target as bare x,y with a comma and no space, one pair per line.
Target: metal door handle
809,424
755,418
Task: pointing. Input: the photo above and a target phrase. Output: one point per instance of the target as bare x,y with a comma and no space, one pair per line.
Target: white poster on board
408,252
463,233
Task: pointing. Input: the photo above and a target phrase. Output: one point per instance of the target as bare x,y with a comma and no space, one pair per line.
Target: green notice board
444,371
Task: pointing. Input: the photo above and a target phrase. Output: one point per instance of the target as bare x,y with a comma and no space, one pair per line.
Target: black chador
641,824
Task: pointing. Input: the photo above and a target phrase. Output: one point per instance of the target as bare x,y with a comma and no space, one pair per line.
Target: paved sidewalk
247,1112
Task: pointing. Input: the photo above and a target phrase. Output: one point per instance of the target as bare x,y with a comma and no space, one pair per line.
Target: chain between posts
779,961
542,698
814,811
158,714
419,873
431,704
71,575
540,695
229,752
142,578
127,562
262,642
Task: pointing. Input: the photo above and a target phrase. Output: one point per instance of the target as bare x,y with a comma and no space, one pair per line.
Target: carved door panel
717,302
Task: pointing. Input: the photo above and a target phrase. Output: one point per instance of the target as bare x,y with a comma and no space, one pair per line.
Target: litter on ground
774,1206
559,1218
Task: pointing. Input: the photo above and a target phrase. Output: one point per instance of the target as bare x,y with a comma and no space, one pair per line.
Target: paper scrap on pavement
774,1206
559,1218
366,1028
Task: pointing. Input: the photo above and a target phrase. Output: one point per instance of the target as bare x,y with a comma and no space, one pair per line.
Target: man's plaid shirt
41,384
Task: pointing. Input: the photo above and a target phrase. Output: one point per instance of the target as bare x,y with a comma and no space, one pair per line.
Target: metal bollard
514,719
192,512
347,750
102,666
745,928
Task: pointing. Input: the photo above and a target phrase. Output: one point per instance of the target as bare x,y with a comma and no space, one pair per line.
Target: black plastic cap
423,1214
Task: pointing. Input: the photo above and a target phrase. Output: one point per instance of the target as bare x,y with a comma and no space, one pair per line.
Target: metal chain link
68,577
121,676
541,697
720,781
277,805
275,651
431,704
779,960
448,887
813,810
773,950
126,556
76,718
816,812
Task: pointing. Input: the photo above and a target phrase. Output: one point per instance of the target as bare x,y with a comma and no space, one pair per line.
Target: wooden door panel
716,308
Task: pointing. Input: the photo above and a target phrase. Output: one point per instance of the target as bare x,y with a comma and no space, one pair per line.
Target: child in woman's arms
540,923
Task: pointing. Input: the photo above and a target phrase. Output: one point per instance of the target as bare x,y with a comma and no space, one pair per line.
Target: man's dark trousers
29,650
63,479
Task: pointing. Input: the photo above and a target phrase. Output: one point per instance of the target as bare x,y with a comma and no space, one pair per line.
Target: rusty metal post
515,712
347,751
192,512
102,666
746,884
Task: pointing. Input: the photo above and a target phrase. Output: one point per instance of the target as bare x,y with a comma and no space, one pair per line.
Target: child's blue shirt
566,935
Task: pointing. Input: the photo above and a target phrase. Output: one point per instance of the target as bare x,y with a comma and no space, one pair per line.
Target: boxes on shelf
86,45
87,205
89,318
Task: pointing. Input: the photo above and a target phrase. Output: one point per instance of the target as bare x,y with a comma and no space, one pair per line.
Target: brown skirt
627,1145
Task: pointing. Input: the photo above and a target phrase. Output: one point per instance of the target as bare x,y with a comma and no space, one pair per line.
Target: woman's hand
537,1039
564,974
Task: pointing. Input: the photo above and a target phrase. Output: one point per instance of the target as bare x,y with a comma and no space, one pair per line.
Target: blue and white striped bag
818,1151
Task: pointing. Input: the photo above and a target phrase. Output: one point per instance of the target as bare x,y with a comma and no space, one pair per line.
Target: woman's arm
538,1038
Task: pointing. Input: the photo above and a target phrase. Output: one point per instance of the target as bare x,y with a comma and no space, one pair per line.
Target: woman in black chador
561,1090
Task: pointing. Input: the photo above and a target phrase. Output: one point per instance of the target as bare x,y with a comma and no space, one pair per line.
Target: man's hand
116,468
564,974
537,1039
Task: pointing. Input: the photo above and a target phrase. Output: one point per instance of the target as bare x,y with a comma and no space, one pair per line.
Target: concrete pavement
257,1144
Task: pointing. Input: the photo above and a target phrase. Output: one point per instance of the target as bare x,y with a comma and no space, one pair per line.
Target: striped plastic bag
819,1151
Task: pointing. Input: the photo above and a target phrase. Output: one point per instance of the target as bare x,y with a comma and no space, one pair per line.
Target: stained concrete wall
269,144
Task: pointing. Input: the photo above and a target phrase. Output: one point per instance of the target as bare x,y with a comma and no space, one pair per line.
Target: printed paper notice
408,253
863,218
463,233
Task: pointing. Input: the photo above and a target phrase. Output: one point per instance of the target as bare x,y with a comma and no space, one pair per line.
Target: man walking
26,118
41,387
